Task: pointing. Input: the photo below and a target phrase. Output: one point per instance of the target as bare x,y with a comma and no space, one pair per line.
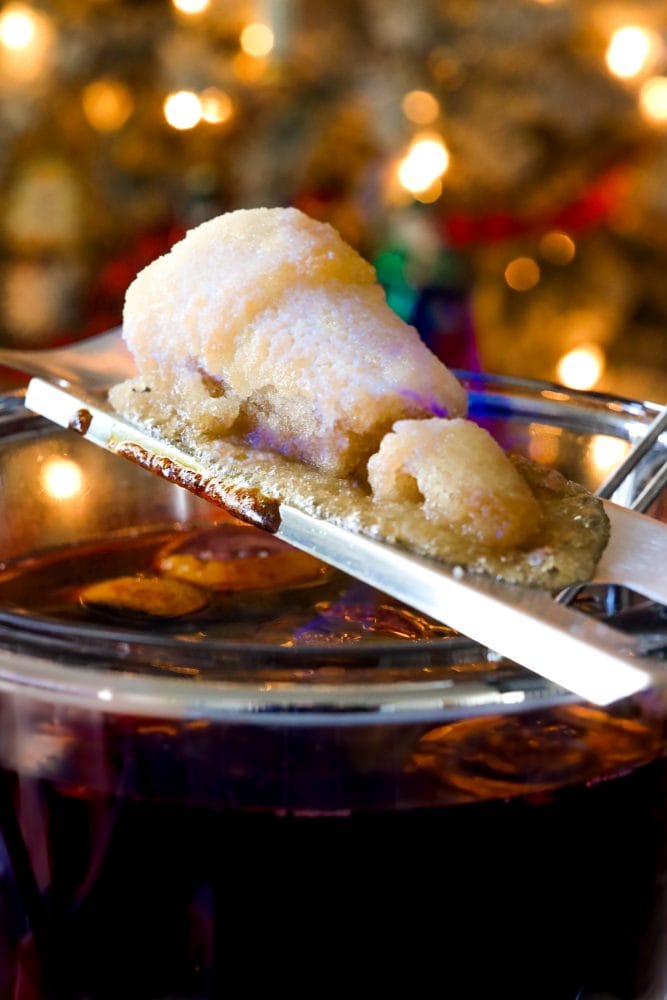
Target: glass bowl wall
171,792
327,724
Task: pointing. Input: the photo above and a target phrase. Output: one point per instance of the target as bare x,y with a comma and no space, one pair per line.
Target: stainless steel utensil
555,641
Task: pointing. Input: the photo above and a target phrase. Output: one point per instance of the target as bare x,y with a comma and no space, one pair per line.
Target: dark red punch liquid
518,855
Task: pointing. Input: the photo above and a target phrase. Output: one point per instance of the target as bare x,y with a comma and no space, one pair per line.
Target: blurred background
503,164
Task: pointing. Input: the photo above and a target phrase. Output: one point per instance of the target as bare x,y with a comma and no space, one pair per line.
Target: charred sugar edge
248,504
81,421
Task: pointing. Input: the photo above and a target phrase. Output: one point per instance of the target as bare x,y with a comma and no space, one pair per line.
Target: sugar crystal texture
265,324
461,476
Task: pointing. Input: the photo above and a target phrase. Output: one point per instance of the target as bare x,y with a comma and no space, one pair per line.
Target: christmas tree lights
505,164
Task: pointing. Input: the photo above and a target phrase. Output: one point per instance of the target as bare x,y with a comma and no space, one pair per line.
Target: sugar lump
265,324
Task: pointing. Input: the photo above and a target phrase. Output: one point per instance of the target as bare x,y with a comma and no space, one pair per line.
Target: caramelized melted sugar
251,482
81,421
249,505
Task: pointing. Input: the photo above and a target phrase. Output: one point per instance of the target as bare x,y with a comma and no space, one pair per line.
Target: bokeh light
425,162
431,194
653,99
420,107
522,274
582,367
191,6
26,43
107,104
632,50
18,27
182,110
217,106
534,159
257,39
557,248
248,69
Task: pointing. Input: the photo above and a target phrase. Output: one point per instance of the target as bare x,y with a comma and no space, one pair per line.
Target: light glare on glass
420,107
61,478
426,161
581,367
653,99
631,51
606,453
544,443
182,110
257,39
